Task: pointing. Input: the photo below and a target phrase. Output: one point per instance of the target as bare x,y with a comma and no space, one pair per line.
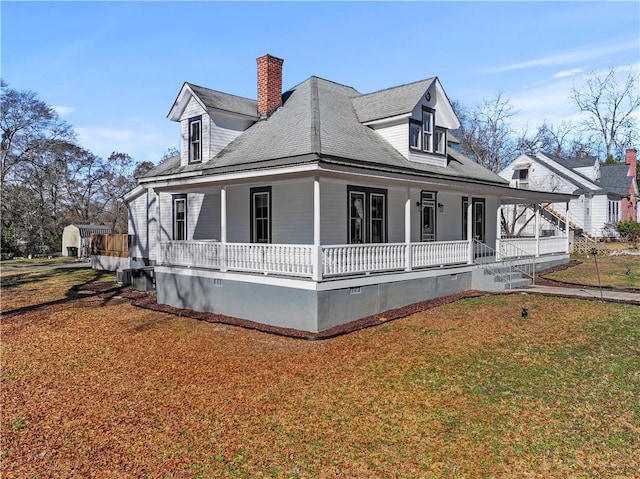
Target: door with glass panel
428,215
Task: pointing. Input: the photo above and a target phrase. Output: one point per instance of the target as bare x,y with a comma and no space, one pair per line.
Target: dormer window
415,133
424,136
427,130
441,140
195,140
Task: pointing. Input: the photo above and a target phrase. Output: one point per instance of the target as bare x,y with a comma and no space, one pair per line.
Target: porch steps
505,278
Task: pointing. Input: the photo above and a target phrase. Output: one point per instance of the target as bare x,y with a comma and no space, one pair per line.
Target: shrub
630,230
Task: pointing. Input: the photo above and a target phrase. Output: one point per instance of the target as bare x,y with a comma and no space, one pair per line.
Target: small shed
75,238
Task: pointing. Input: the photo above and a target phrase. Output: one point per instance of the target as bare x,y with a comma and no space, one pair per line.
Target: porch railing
343,260
294,260
439,253
191,253
524,247
362,258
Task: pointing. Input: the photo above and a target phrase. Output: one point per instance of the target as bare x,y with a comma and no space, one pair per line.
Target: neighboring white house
318,206
76,238
605,194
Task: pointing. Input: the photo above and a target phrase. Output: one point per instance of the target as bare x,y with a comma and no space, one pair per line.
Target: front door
478,215
478,219
428,210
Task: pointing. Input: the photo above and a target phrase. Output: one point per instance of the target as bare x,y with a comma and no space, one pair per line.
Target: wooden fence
109,245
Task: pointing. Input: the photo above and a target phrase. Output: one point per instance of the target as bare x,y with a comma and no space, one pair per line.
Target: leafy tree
610,104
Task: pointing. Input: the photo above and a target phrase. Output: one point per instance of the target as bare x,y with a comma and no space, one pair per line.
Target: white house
318,206
605,194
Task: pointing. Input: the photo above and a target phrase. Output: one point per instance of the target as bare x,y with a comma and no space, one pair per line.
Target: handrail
527,269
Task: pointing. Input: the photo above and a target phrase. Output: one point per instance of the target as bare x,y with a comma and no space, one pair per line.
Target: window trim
174,199
428,148
368,192
428,139
191,142
252,229
419,125
437,131
430,196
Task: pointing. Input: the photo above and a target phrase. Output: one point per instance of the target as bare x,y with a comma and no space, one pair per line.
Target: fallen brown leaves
95,387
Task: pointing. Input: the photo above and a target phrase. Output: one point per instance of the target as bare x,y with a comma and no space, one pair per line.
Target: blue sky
113,69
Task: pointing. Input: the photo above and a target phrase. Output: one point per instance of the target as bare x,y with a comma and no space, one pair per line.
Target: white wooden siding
138,226
397,134
238,214
599,214
203,216
333,212
395,214
224,129
292,220
449,222
194,109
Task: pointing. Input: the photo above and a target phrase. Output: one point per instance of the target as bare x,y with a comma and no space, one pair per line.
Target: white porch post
566,229
537,230
407,230
470,228
158,248
223,228
317,248
498,231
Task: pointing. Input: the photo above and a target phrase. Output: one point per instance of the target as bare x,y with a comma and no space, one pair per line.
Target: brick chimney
631,159
269,84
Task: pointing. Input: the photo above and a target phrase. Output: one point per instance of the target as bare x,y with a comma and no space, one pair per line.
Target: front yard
94,387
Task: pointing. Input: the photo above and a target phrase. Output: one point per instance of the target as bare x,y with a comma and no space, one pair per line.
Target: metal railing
509,260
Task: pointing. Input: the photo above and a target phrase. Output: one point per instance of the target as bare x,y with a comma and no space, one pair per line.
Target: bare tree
610,104
28,125
486,135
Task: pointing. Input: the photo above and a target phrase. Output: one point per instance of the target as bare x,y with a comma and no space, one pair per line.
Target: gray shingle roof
614,179
391,101
576,162
225,101
319,122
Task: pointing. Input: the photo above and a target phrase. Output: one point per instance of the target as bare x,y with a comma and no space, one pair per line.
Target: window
428,210
441,140
427,130
195,140
367,215
415,132
424,136
261,214
179,217
614,212
477,215
523,175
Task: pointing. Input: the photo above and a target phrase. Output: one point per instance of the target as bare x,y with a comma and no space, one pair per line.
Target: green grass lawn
99,388
621,271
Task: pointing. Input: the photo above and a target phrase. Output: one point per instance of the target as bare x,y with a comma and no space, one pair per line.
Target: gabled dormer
415,118
209,121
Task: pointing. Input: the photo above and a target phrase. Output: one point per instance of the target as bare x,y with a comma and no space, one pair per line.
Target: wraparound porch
325,262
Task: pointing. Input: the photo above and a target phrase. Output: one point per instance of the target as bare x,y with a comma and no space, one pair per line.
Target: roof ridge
323,79
221,92
398,86
315,116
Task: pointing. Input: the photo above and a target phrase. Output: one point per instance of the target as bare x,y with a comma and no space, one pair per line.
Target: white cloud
567,73
568,57
63,110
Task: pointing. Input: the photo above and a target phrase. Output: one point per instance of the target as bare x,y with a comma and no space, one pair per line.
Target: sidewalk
589,293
